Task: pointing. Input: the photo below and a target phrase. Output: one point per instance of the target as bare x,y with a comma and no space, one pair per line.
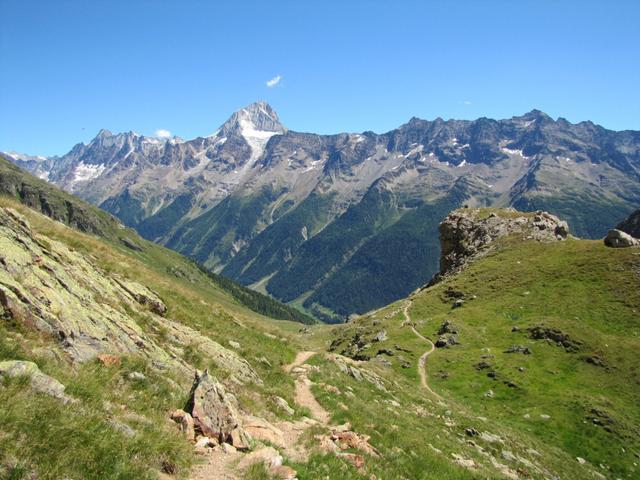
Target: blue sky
69,68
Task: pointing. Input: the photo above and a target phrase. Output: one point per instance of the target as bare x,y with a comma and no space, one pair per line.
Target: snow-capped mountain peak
256,123
257,117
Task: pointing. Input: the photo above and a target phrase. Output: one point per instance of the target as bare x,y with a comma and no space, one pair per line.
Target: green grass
579,287
79,440
34,427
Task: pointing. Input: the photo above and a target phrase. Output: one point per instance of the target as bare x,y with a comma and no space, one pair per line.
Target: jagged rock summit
258,116
467,234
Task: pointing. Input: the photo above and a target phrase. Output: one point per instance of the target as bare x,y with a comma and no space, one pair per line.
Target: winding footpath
223,465
422,362
304,396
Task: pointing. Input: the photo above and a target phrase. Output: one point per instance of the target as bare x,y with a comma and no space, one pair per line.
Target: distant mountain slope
51,201
298,215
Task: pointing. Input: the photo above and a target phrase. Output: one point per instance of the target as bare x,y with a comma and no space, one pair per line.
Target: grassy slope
59,205
34,426
579,287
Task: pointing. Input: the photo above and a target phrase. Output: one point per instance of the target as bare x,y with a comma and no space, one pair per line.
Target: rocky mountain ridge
307,217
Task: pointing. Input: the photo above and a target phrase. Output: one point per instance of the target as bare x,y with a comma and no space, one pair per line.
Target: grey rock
518,349
138,376
491,437
445,341
215,412
123,428
465,235
619,239
360,374
458,303
39,381
508,456
84,325
283,405
542,332
447,327
381,336
143,296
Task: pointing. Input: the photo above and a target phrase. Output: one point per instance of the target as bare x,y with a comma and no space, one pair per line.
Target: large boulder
631,225
215,412
619,239
39,381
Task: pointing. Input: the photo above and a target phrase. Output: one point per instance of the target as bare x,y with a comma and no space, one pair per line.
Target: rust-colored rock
109,360
260,429
185,421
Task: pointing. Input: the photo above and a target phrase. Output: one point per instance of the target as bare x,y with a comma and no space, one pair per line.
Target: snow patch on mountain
86,171
509,151
257,140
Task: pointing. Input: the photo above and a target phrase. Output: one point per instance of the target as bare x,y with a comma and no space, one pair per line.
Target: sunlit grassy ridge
566,404
35,428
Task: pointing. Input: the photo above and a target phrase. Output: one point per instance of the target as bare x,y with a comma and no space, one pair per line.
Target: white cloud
162,133
466,102
274,81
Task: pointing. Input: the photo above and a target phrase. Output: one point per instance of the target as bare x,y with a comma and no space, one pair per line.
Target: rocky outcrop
215,411
144,296
553,335
359,374
467,234
39,381
59,291
619,239
631,225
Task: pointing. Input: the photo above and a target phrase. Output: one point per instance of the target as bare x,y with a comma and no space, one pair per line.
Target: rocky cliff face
48,286
307,217
467,234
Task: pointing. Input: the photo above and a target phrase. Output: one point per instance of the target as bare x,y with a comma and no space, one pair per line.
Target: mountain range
341,224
